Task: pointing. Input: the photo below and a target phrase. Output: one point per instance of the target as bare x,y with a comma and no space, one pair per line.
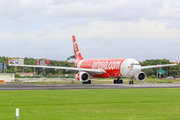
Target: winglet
176,62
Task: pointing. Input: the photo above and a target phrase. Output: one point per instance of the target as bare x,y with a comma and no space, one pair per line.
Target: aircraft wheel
118,81
84,82
89,81
115,81
130,82
121,81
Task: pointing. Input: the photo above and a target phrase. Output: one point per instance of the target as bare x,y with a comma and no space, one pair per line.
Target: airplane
104,68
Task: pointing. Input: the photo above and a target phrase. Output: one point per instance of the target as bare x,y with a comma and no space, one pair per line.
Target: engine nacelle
140,77
82,76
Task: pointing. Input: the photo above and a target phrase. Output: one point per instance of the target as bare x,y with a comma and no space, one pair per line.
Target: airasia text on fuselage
106,65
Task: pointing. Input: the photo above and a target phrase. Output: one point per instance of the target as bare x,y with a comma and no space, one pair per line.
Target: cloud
57,2
137,48
142,29
93,10
18,9
104,28
111,9
118,10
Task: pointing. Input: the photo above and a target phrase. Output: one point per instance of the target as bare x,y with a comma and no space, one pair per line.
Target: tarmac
83,86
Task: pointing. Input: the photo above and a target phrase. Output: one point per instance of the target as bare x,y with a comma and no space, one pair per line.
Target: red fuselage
111,66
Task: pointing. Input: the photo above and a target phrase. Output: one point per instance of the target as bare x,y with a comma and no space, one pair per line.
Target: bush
152,76
17,76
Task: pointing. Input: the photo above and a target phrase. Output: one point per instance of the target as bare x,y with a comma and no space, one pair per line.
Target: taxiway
84,86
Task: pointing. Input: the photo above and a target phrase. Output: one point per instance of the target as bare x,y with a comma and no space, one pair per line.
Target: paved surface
82,86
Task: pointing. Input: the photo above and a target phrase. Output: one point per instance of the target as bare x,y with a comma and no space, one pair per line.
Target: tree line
32,61
169,71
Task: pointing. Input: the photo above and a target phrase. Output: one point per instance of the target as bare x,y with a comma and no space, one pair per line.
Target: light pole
167,71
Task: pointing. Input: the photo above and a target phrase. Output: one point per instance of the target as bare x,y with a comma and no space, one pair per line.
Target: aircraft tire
84,82
130,82
115,81
118,81
121,81
89,81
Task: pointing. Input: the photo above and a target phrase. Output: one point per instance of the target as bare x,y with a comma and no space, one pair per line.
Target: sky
139,29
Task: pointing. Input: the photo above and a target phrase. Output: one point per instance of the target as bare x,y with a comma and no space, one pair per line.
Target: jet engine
140,77
82,76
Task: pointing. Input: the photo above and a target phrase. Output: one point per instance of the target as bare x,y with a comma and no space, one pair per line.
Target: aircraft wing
156,66
95,71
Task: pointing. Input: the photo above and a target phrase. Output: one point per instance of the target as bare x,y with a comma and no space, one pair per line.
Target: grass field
116,104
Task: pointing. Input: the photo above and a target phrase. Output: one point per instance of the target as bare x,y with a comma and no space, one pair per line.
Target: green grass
116,104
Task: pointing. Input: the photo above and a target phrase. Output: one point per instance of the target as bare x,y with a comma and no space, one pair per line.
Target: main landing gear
88,82
118,81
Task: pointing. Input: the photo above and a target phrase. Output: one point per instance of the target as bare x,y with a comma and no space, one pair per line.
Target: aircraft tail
77,53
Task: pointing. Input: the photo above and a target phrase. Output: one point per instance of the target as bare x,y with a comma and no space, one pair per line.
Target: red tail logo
77,53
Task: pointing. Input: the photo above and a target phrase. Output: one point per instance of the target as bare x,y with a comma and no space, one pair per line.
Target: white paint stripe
79,63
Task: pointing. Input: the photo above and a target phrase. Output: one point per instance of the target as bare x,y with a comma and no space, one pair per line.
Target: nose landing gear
131,81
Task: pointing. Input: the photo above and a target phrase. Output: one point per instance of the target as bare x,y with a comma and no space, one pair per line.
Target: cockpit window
135,64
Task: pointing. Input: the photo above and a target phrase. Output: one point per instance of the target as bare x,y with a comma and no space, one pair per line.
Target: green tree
171,71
